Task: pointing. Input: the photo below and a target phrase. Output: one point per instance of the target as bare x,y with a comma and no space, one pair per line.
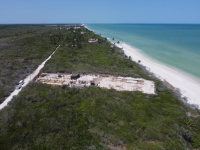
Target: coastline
186,84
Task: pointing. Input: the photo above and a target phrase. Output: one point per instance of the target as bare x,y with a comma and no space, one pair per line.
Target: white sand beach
189,86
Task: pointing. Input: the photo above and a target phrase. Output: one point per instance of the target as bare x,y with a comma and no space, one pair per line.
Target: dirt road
26,81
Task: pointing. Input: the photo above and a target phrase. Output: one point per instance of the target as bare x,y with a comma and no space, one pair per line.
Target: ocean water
176,45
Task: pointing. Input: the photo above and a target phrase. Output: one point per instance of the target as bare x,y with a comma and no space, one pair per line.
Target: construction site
104,81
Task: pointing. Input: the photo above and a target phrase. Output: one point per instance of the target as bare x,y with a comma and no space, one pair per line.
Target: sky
99,11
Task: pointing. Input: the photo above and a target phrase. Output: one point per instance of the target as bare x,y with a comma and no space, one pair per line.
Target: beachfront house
92,40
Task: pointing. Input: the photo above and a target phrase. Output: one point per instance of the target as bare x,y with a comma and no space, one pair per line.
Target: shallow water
177,45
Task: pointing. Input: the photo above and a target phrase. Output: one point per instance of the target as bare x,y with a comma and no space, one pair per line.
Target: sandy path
188,85
26,81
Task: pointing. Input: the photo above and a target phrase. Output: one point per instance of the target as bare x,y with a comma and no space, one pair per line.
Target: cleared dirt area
103,81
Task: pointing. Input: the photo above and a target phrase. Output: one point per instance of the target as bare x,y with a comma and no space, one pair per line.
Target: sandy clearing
118,83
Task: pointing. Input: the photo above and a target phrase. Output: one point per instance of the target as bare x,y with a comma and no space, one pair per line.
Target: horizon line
89,23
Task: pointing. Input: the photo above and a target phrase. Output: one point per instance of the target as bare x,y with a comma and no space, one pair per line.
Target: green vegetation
22,49
91,57
58,117
54,117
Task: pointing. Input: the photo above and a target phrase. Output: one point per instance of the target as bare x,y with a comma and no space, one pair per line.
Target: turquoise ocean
176,45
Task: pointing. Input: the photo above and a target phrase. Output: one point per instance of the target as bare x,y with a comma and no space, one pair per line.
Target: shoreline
186,84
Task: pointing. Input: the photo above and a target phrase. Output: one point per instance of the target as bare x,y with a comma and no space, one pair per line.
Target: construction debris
103,81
